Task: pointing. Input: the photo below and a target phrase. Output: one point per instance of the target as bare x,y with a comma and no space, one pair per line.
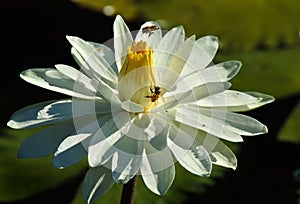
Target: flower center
138,77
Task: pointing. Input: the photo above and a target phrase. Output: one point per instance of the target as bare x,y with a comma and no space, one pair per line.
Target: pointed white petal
76,76
101,148
96,183
106,53
54,80
126,168
219,153
264,99
193,117
235,100
50,112
122,39
203,52
177,61
160,181
205,90
191,96
149,32
191,155
85,131
241,124
127,160
217,73
92,59
170,43
160,129
39,114
69,157
100,152
76,138
196,160
46,141
106,91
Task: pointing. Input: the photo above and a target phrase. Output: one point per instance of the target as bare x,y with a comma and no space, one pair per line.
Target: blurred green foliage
242,25
290,131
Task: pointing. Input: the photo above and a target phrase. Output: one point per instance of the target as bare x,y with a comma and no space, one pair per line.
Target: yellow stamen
138,75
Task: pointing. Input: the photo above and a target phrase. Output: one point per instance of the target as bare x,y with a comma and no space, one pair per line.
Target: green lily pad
22,178
290,130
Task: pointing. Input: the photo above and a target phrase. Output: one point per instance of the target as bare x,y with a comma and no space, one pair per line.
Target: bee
149,30
155,93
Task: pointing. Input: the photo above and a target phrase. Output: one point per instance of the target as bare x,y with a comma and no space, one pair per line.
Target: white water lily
154,101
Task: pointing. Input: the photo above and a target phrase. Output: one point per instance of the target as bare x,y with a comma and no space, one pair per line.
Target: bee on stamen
149,30
155,93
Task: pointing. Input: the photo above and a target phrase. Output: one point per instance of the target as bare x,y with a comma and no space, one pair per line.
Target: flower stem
128,191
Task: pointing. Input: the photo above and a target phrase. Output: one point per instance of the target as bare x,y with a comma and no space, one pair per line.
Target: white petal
96,183
160,181
127,160
46,141
191,96
76,76
217,73
196,160
75,139
138,128
132,107
126,167
89,107
149,32
149,127
92,60
228,99
99,153
122,39
193,117
106,91
69,157
205,90
264,99
85,128
202,54
220,154
241,124
177,61
105,52
167,47
54,80
191,155
235,100
50,112
160,129
39,114
101,148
